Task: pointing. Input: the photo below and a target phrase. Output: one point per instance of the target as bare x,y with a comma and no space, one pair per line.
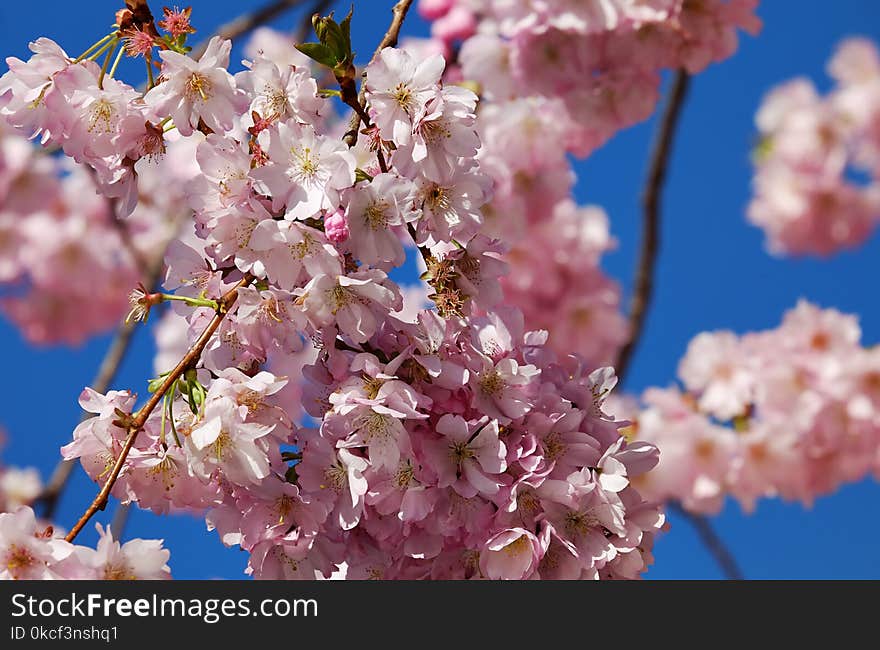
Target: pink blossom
501,389
469,457
374,212
290,252
398,87
511,555
336,227
193,90
24,87
27,553
281,92
137,559
351,302
338,476
306,170
225,443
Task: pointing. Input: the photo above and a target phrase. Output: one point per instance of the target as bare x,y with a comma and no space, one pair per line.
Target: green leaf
329,92
335,40
336,37
345,26
319,52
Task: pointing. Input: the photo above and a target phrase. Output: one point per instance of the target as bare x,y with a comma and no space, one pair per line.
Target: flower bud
336,227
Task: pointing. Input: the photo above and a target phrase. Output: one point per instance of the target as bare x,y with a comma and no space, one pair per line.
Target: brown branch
644,288
248,22
121,227
711,541
110,364
119,521
137,420
651,198
389,40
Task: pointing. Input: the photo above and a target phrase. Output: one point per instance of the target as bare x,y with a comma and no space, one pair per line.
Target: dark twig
136,421
651,199
248,22
389,40
120,519
644,287
110,364
711,541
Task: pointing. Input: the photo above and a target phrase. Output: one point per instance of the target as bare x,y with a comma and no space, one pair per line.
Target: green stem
106,46
110,52
116,61
173,392
164,417
152,80
193,302
94,47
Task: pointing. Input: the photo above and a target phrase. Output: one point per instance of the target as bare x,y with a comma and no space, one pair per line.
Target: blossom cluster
816,188
442,443
31,550
59,248
792,412
556,280
594,65
558,78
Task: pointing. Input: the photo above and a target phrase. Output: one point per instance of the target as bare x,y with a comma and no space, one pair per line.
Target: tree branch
110,364
389,40
644,287
120,519
711,541
248,22
138,419
651,199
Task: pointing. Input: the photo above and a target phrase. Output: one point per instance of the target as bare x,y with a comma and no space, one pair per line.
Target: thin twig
122,229
248,22
121,226
644,287
120,519
651,200
711,541
389,40
137,420
110,364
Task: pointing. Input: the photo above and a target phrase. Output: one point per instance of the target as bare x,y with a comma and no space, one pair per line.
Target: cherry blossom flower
197,90
306,170
398,88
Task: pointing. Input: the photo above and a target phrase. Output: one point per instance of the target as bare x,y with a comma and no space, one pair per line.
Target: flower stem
116,60
111,50
94,47
151,80
192,302
96,55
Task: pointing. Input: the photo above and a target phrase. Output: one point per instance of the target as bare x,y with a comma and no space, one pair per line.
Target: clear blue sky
713,273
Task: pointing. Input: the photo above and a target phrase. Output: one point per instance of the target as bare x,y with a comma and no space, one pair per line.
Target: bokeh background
713,273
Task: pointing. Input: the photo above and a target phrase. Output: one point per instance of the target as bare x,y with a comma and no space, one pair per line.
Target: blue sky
713,273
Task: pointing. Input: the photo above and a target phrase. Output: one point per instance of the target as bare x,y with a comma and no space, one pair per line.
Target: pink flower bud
336,227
